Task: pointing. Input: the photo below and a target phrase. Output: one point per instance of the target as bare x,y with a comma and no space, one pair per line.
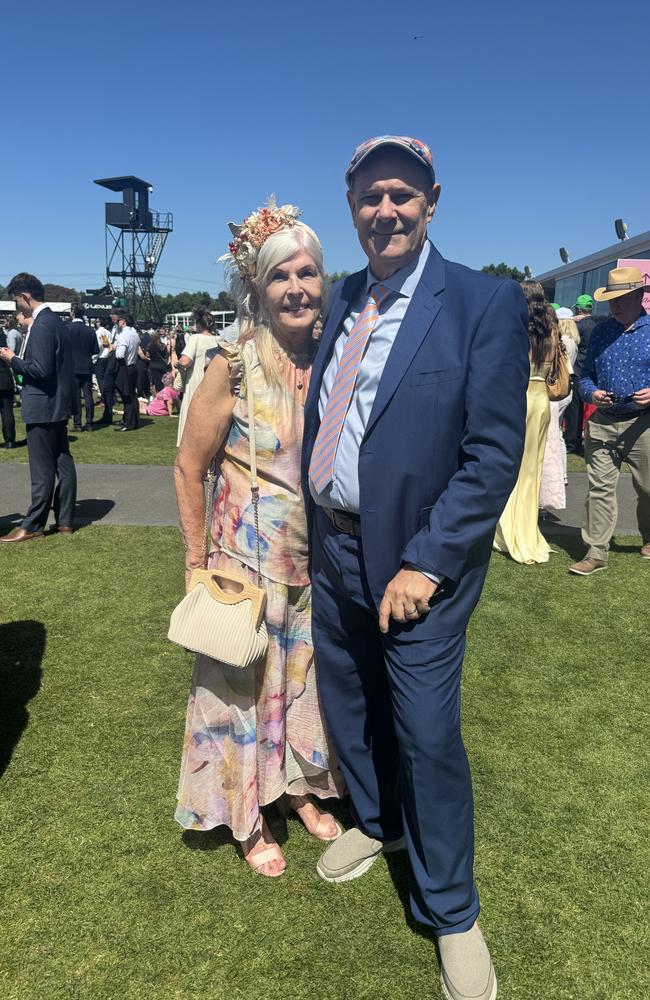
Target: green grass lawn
154,443
103,896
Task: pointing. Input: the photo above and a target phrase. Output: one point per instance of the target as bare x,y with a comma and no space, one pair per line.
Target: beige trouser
608,443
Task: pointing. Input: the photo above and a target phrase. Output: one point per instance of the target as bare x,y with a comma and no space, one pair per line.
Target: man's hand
406,598
601,399
6,354
641,397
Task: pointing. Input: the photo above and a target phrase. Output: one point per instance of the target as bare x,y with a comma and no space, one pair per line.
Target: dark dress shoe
20,535
88,427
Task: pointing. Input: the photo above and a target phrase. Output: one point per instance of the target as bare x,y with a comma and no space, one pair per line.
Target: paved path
144,495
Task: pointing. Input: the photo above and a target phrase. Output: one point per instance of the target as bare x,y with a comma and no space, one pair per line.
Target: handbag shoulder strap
255,489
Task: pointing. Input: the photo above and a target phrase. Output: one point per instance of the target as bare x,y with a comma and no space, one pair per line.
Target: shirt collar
38,309
643,320
405,281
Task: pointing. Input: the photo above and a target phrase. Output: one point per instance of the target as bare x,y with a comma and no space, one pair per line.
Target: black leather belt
627,415
343,521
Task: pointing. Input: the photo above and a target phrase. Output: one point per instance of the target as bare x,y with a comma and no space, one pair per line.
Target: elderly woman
191,363
256,736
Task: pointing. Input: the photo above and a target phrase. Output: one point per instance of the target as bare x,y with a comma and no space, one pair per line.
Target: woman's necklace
300,360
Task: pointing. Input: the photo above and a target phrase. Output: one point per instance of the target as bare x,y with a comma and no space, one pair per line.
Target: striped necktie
321,468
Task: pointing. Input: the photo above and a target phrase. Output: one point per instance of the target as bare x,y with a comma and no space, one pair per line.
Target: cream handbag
226,624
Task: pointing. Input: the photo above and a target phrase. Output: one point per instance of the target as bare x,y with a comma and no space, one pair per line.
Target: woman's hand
199,561
641,397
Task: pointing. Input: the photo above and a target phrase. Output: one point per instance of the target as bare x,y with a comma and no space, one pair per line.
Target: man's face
23,301
627,308
22,319
392,201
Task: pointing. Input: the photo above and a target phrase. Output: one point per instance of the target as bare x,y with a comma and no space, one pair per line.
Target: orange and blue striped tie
321,468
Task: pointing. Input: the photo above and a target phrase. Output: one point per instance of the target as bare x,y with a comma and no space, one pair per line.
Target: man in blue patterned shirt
616,378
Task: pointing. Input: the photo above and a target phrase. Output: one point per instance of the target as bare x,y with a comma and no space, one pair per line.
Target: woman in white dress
191,363
554,470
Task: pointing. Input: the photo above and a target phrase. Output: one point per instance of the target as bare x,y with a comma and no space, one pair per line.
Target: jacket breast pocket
441,375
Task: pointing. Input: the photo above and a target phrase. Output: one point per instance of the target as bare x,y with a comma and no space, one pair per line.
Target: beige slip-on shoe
466,970
645,550
587,566
353,854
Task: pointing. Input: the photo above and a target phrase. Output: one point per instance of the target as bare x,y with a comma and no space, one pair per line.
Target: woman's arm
207,425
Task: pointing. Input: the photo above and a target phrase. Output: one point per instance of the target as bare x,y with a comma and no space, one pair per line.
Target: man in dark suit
414,431
7,390
47,398
84,347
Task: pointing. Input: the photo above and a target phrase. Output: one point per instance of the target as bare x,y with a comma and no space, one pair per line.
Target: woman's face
293,296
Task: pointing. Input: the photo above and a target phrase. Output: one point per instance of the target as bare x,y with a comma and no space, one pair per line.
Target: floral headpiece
254,231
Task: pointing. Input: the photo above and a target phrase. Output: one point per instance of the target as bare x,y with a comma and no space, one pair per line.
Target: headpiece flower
254,231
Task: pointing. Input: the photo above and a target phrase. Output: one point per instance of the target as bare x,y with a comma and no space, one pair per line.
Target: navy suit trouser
392,706
85,389
49,460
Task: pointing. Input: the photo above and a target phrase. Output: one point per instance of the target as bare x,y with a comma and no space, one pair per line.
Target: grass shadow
398,869
22,644
10,521
88,511
567,539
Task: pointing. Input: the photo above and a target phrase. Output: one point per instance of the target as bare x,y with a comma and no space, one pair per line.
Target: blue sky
534,112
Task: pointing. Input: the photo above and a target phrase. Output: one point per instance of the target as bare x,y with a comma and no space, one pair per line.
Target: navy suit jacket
49,389
83,342
443,444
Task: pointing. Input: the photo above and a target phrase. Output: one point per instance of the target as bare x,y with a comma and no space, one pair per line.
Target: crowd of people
401,421
113,364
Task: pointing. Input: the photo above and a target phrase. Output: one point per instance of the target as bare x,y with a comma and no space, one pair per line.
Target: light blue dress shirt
14,340
126,345
343,491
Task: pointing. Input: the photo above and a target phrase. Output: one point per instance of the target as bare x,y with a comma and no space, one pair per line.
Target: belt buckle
338,521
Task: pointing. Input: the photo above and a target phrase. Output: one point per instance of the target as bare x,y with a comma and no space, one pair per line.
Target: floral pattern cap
418,150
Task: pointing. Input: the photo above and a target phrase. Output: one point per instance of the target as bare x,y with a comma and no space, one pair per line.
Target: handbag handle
255,490
247,592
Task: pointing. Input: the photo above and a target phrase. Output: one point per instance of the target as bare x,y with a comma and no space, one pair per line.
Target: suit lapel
420,315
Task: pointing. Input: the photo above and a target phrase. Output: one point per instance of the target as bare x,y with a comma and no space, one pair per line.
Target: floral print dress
253,734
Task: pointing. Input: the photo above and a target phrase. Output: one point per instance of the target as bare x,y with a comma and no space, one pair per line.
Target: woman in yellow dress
518,533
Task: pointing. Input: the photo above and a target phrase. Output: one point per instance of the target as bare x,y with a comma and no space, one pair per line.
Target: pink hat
417,149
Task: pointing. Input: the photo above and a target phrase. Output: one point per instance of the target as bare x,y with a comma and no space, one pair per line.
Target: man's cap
621,281
584,302
414,147
555,305
564,313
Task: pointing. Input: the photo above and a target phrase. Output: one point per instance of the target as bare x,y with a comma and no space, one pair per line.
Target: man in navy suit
47,401
414,431
84,348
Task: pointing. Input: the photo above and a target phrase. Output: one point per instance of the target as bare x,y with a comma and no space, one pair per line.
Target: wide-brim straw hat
621,281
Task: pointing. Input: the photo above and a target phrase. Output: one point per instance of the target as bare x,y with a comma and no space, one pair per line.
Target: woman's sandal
261,854
288,803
